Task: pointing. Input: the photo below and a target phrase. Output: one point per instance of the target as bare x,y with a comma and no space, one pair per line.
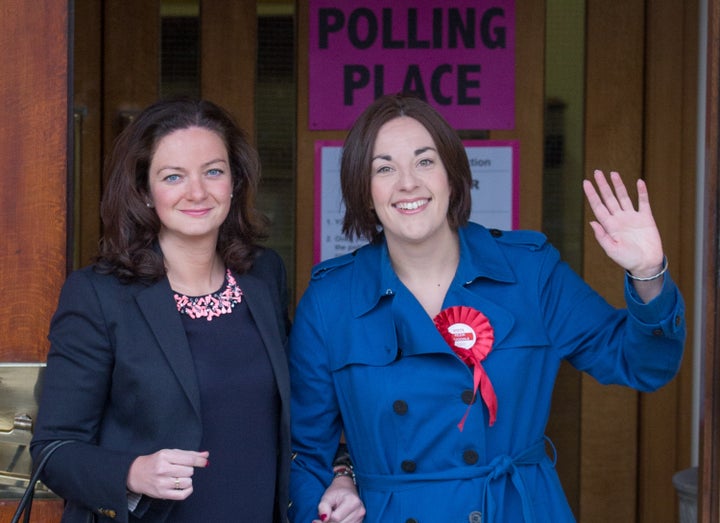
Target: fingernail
207,463
323,517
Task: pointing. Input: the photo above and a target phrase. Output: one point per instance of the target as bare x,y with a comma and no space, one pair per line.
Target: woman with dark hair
438,357
169,351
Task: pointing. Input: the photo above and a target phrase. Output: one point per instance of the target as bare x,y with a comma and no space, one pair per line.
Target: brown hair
130,228
356,164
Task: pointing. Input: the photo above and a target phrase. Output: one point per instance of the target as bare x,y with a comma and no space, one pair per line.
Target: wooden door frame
709,464
35,144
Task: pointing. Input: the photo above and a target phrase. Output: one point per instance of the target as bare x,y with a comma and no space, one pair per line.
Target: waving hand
628,236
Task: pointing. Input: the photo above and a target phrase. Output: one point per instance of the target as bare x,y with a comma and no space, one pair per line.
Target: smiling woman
409,187
484,316
180,293
191,188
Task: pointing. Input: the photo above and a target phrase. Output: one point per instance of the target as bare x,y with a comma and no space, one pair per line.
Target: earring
150,205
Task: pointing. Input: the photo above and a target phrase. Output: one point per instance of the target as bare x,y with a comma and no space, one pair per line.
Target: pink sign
459,55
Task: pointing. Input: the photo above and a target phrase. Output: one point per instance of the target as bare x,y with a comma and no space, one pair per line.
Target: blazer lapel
259,301
158,307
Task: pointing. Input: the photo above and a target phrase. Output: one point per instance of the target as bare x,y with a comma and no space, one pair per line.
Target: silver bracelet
344,471
654,276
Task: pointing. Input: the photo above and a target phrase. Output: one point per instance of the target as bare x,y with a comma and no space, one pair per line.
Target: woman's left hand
628,236
340,503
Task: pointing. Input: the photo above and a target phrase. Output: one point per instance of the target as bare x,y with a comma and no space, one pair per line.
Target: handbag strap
26,501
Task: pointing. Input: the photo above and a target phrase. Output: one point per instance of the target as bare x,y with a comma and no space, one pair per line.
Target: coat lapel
158,308
260,303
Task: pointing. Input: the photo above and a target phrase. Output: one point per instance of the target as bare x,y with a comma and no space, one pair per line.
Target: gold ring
177,484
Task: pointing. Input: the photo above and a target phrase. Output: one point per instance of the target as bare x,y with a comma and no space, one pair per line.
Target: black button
467,397
657,332
495,233
408,465
411,520
475,517
400,407
678,320
470,457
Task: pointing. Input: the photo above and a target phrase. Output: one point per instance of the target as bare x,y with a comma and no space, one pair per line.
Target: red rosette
470,335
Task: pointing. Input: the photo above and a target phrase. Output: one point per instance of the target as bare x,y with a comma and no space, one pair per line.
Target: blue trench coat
366,358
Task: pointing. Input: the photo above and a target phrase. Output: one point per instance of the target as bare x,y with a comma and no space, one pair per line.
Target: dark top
239,403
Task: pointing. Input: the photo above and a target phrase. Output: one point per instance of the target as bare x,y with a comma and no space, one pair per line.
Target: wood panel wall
709,467
228,57
669,167
130,64
641,119
34,125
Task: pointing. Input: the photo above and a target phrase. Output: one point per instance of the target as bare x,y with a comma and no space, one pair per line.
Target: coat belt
501,468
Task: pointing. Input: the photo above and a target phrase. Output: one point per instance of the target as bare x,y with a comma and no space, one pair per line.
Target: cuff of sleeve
665,310
133,500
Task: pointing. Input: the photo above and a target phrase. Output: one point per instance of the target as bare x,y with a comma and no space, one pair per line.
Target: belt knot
501,465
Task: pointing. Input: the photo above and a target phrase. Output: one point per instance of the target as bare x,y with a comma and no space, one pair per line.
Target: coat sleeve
316,423
640,346
75,390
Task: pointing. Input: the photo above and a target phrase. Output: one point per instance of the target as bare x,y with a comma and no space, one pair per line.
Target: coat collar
373,276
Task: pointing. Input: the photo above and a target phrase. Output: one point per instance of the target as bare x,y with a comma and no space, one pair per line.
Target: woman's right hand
341,503
166,474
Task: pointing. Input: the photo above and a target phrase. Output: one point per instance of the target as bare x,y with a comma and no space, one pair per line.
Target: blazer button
470,457
495,233
475,517
467,397
108,512
400,407
657,332
411,520
678,320
408,465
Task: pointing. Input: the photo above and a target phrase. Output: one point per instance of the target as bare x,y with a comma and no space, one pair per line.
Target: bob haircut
360,219
128,247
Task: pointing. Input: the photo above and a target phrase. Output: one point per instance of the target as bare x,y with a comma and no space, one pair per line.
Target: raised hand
628,236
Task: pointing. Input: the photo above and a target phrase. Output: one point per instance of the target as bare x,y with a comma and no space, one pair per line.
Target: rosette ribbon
471,337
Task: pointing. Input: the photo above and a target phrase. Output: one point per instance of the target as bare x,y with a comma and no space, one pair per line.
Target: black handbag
26,501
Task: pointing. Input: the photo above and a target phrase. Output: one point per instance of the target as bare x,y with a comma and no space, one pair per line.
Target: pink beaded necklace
211,305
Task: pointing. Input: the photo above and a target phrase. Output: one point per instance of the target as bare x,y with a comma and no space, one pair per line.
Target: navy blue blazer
120,383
